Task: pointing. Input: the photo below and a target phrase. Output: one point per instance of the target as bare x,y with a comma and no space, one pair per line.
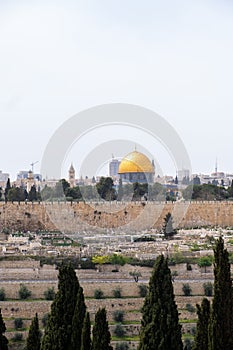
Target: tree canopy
58,331
160,329
3,339
105,188
34,335
101,335
222,307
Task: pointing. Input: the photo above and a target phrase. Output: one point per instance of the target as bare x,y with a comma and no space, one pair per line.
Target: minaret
72,176
216,166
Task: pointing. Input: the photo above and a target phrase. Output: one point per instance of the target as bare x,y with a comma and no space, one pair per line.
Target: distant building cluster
134,167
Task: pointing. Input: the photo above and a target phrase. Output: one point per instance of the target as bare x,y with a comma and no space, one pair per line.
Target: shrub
190,308
24,292
18,322
205,261
119,331
135,274
186,289
116,259
122,346
45,320
143,289
118,316
98,294
208,289
117,293
178,257
17,337
2,294
50,294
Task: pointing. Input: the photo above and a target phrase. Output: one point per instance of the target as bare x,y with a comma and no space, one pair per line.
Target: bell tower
72,176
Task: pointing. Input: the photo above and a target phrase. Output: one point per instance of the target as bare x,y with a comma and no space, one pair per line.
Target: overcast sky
60,57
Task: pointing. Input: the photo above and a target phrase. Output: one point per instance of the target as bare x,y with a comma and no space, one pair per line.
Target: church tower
72,176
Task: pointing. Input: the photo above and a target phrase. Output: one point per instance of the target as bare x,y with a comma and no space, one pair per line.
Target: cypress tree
34,335
160,329
201,341
168,230
222,307
77,322
8,187
32,195
101,335
86,333
3,339
59,327
230,189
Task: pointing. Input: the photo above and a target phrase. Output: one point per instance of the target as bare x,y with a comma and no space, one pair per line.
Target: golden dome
135,162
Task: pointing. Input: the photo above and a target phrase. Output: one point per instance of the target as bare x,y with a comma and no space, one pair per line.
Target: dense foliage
101,335
59,327
3,339
206,192
160,329
202,333
222,308
34,335
168,230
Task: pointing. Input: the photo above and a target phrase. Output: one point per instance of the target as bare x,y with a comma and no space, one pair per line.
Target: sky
58,58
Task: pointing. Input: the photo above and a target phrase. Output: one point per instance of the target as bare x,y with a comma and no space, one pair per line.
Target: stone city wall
75,217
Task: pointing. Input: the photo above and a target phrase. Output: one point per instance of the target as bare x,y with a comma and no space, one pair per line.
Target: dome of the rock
136,167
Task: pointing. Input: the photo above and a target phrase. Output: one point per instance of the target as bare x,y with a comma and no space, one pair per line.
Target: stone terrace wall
136,216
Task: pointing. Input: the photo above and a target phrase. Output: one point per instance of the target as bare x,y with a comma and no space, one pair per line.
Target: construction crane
32,165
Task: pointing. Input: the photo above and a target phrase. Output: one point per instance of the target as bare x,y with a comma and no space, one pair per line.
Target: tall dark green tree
222,307
32,195
168,230
74,193
8,187
86,333
201,341
58,331
65,185
3,339
160,329
139,190
230,189
34,335
120,191
77,322
16,194
101,335
105,188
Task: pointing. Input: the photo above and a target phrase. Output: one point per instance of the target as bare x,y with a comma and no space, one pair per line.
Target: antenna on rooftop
216,165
